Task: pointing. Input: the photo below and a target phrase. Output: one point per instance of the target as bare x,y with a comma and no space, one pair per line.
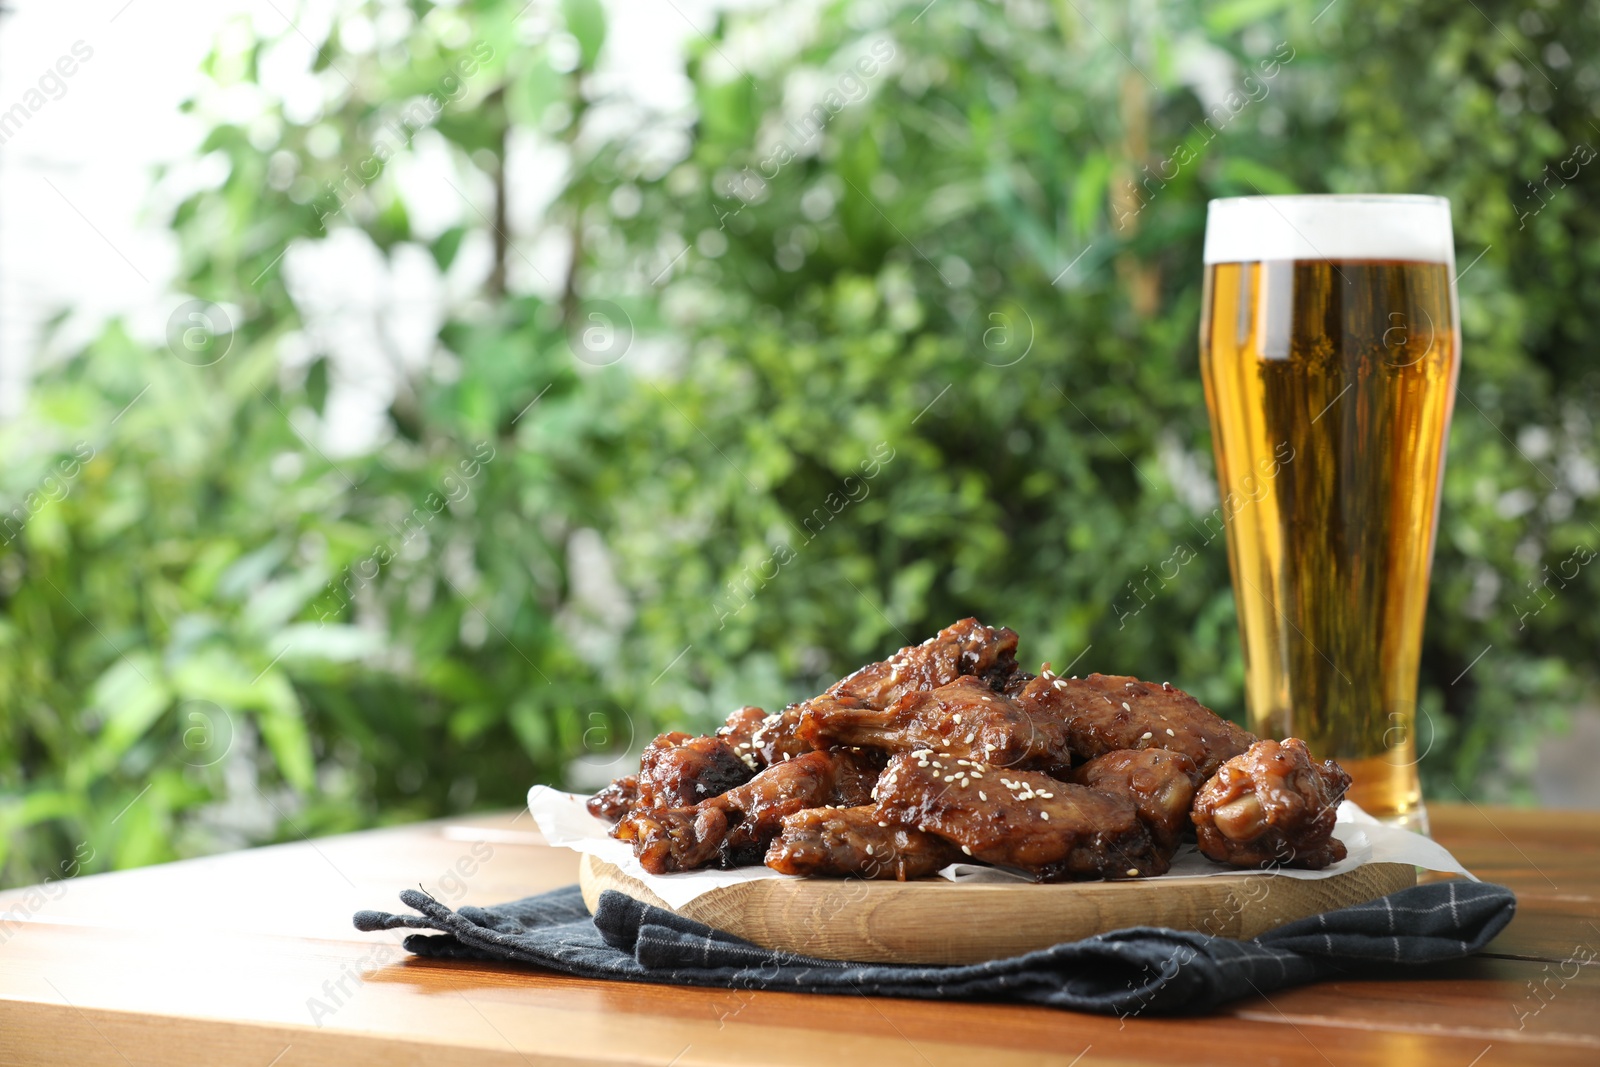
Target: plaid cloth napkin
1143,969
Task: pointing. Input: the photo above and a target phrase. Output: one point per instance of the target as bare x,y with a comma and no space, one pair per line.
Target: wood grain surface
933,920
250,959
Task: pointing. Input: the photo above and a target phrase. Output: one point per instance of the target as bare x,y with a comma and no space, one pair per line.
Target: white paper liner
565,821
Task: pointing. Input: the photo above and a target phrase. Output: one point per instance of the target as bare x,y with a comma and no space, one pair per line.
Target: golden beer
1330,349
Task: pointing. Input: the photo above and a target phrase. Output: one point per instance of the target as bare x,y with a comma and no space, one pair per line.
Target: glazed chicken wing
678,770
1107,713
740,731
966,648
1161,785
733,829
966,718
775,739
1054,830
616,799
853,843
1272,806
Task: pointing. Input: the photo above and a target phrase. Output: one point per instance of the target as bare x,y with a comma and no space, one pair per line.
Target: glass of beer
1329,346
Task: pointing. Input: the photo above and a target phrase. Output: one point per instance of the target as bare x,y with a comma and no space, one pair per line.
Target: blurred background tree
672,406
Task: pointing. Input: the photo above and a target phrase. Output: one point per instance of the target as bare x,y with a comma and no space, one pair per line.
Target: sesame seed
869,850
884,825
1133,872
1125,706
1147,735
1170,733
956,717
1045,815
967,850
982,795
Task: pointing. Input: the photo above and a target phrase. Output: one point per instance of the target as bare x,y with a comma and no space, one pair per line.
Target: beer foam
1251,229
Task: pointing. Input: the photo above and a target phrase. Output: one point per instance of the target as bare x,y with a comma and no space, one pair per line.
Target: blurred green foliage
888,327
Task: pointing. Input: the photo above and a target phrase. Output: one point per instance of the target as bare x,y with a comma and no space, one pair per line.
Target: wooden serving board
937,921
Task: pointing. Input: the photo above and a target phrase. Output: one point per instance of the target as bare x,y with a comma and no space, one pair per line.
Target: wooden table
250,959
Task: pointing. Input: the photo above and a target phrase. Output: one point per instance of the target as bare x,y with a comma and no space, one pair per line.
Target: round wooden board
937,921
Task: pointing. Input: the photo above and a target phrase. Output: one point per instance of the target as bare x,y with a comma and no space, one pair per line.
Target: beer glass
1329,346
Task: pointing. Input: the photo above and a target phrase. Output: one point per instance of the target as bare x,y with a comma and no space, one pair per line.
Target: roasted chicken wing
740,731
853,843
775,739
1161,785
1108,712
967,647
678,770
1054,830
966,718
733,829
616,799
1273,806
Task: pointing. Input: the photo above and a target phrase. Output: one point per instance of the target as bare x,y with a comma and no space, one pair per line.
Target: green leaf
1232,15
1253,176
445,246
1089,193
586,20
283,728
131,695
533,89
332,642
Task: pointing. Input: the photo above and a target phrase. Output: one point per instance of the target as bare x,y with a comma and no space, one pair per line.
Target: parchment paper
564,821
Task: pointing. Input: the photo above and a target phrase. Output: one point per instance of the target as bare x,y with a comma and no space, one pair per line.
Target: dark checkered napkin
1143,969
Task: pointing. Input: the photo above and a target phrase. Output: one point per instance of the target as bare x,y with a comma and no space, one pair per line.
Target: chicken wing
678,770
853,843
616,799
966,718
740,731
1161,785
733,829
1273,806
1107,713
1054,830
775,739
965,648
